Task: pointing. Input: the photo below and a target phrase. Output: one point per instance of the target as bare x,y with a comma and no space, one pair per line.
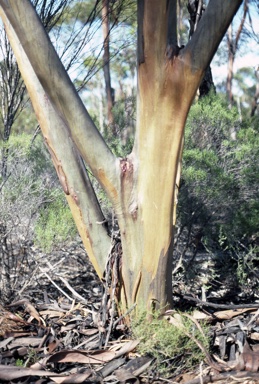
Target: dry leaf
25,342
248,360
83,357
254,336
229,314
128,347
32,311
4,343
198,315
51,313
75,378
8,373
88,332
53,345
123,376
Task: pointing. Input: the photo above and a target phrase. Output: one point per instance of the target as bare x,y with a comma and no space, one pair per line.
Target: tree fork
143,186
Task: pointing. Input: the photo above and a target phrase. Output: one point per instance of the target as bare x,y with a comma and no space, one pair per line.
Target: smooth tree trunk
143,186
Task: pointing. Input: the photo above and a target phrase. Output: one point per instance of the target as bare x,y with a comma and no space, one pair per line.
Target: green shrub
219,191
22,193
170,344
55,224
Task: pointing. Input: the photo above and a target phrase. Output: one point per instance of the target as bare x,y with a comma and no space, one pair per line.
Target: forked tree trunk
143,186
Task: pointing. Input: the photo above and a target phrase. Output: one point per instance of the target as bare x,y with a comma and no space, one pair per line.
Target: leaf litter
78,337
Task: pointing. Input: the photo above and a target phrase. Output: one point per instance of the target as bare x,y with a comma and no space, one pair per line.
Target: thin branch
55,285
221,306
198,14
241,25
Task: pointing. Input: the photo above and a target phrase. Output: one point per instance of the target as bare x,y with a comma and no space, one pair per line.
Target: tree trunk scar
126,167
172,51
133,209
74,196
58,167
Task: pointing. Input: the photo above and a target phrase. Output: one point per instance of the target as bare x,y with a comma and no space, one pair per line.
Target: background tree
247,83
106,59
256,93
141,186
232,44
115,19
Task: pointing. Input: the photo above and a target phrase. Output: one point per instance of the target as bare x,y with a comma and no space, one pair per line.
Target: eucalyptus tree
143,186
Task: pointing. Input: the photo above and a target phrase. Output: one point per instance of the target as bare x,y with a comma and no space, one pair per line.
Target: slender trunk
5,257
8,122
207,84
106,63
232,43
231,58
256,95
4,160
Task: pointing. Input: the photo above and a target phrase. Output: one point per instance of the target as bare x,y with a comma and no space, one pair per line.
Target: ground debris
63,328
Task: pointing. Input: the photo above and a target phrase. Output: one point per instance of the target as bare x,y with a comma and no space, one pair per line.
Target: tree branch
60,90
68,163
172,23
210,30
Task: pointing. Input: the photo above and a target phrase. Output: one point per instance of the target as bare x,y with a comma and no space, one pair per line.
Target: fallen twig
60,289
225,376
201,303
75,294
